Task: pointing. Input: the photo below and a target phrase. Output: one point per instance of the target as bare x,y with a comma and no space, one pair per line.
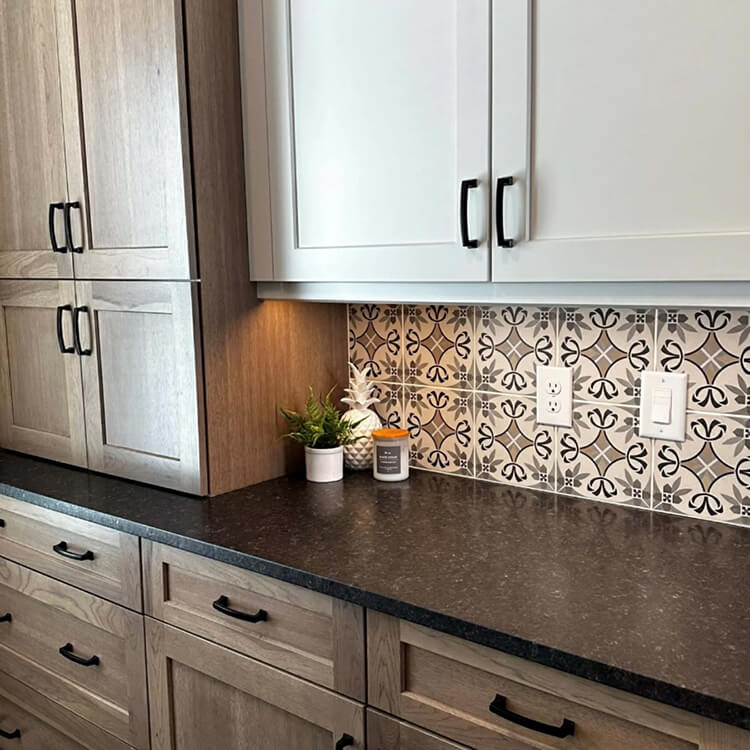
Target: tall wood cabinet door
378,113
636,162
33,177
141,381
41,399
203,695
129,159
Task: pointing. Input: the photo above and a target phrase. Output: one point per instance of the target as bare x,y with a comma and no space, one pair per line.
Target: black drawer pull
80,351
68,229
67,652
7,617
502,183
346,741
60,338
52,235
14,735
466,185
62,549
2,523
222,605
499,707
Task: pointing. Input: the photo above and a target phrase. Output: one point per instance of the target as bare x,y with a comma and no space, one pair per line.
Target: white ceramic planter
324,464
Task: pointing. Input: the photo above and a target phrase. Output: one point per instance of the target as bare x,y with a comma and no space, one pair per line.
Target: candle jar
390,455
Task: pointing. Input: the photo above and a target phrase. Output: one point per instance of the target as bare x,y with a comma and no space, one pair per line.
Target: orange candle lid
390,433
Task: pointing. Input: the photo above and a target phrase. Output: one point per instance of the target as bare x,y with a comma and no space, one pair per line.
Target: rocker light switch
663,405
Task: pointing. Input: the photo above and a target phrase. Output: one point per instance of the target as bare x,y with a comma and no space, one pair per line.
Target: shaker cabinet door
377,126
140,380
624,125
206,696
41,400
130,173
33,178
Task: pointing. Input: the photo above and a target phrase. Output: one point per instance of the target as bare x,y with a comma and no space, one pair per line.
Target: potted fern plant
324,432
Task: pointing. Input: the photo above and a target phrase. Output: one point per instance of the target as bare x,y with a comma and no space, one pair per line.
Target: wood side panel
257,355
349,672
383,662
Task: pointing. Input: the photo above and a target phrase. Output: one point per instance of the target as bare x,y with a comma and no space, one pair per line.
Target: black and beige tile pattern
462,380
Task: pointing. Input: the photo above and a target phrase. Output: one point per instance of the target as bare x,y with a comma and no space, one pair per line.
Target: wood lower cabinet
141,381
41,402
203,695
488,700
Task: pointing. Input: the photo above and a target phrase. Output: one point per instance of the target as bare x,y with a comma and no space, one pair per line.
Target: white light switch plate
663,405
554,396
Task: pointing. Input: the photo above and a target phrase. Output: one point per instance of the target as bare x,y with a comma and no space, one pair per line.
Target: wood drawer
387,733
447,685
306,633
29,534
46,615
44,725
205,696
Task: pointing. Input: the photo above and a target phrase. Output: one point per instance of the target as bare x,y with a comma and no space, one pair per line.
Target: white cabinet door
625,126
377,112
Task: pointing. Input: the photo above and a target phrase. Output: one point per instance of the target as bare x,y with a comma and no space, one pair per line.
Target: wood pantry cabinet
133,342
618,149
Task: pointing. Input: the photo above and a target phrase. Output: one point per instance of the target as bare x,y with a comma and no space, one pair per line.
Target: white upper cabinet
376,125
625,127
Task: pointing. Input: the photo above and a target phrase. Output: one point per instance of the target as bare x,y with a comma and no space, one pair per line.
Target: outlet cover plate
654,387
554,396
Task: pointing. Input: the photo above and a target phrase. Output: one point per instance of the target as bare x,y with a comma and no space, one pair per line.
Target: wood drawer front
446,685
387,733
30,533
206,696
45,725
47,615
306,633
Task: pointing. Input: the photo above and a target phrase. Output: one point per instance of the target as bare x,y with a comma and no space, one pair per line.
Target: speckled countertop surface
650,603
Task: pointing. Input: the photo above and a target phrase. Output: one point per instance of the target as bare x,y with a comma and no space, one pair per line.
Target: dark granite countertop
650,603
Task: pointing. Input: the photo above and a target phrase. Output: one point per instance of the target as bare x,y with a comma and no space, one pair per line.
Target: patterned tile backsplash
462,380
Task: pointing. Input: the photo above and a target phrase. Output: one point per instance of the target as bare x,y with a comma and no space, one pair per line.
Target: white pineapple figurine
358,455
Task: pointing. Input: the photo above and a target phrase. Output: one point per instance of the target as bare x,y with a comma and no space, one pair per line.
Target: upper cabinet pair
92,183
497,140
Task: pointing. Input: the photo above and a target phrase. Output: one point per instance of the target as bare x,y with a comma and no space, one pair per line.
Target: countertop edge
599,672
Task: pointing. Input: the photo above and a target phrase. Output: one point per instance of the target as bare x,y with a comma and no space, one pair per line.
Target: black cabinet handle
60,338
14,735
67,652
222,605
346,741
502,183
68,229
52,236
499,707
467,185
77,331
7,617
62,549
2,523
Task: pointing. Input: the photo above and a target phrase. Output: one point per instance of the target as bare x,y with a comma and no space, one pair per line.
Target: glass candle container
391,455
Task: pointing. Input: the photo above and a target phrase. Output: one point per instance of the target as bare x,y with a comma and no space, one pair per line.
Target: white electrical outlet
554,396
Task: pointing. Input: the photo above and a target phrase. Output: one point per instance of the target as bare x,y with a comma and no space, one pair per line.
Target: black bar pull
80,351
502,183
52,235
62,549
2,523
7,617
69,230
60,338
467,185
67,652
14,735
499,707
222,605
346,741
